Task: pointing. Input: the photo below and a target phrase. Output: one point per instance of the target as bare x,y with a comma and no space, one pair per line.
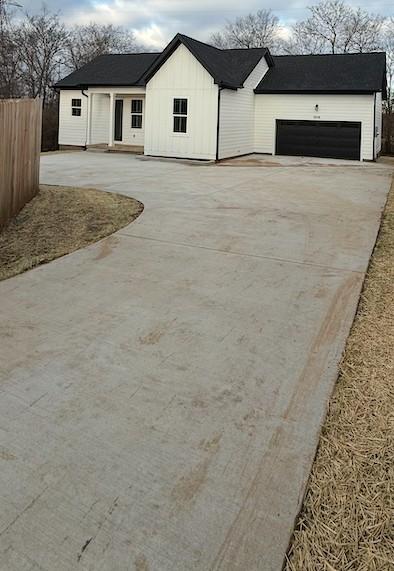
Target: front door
118,119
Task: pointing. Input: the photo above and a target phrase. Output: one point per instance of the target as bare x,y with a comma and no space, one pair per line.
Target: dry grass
347,521
60,220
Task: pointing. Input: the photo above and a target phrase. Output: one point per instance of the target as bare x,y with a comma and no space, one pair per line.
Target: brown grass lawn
347,521
58,221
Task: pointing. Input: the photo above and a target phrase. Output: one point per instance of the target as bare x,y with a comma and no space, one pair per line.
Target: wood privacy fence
20,145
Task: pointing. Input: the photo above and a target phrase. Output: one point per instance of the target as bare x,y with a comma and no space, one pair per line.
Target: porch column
89,125
111,120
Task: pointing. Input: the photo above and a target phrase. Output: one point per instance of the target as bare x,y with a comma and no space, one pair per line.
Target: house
199,102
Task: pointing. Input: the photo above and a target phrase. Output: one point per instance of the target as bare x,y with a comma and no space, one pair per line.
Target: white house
199,102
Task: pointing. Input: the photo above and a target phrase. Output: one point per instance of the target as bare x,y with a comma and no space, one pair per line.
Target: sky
155,22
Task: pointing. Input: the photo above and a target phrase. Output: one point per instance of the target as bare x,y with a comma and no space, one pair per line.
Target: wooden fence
20,145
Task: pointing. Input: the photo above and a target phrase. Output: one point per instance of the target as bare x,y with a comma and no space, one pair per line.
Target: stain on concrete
189,485
316,361
153,336
141,563
6,454
198,402
211,443
106,247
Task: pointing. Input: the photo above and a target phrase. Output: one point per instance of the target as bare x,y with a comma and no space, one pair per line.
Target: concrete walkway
161,391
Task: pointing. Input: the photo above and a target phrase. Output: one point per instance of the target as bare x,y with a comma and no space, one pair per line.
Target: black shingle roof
111,69
229,68
338,73
348,73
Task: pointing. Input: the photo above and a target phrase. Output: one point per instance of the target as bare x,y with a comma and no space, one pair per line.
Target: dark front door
118,119
331,139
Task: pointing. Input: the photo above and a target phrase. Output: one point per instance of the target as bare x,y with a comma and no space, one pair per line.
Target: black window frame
76,107
136,114
180,115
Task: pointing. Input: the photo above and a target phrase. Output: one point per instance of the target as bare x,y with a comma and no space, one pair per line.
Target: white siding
236,135
378,124
100,118
181,76
132,136
72,130
268,108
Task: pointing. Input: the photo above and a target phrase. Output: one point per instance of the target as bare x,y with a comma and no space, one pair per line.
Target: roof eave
87,85
317,91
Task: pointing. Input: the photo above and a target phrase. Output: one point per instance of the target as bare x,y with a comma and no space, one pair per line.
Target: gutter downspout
218,124
87,122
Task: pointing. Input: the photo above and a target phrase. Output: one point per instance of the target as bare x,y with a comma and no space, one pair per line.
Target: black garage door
331,139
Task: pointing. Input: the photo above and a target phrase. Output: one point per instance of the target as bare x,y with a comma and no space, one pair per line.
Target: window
76,105
136,113
180,115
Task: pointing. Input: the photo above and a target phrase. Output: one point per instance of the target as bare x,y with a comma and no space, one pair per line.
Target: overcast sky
155,22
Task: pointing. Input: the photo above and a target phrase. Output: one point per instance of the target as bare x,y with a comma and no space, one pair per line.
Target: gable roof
110,69
229,68
327,73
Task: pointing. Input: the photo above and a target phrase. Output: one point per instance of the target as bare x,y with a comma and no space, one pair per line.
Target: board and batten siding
72,129
100,118
236,134
378,124
132,136
181,76
270,107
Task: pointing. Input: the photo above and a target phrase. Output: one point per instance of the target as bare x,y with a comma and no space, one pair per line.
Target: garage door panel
331,139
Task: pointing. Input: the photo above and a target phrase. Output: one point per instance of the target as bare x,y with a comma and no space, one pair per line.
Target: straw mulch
347,520
60,220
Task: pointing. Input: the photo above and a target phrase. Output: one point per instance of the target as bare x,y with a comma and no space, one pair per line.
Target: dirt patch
60,220
346,522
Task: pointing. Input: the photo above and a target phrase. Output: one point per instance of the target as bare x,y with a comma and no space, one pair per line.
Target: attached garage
331,139
322,106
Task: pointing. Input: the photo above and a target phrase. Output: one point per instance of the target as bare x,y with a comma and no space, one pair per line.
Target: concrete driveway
162,391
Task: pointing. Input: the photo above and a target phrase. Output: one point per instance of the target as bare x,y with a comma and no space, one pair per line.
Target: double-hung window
180,115
136,113
76,105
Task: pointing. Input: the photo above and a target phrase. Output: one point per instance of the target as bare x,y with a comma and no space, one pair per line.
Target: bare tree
335,27
9,62
365,31
388,46
87,42
252,31
41,41
303,42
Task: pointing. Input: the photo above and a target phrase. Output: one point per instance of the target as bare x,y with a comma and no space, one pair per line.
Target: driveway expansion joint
243,254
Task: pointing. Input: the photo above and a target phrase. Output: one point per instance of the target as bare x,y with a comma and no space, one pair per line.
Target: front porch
115,119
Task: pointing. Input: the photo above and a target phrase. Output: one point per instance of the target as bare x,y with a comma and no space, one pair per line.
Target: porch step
103,148
136,149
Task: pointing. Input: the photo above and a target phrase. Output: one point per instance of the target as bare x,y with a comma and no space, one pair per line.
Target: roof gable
326,73
229,68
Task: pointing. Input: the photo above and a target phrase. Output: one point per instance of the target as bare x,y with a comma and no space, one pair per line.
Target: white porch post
89,125
111,120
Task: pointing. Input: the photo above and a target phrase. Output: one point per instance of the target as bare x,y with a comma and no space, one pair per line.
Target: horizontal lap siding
268,108
236,135
72,130
181,76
